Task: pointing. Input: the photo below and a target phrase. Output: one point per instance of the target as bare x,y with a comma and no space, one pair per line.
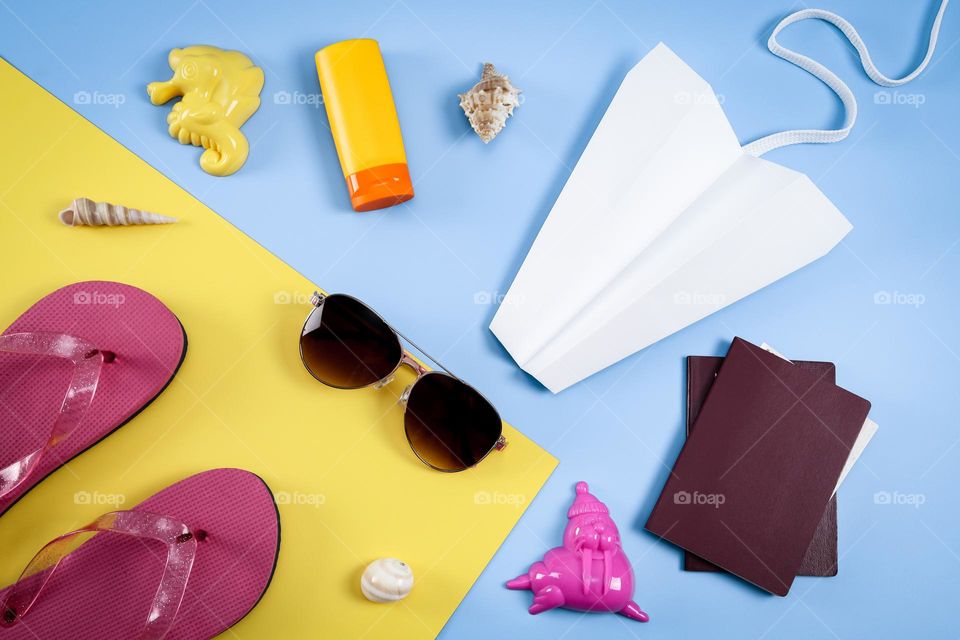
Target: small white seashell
489,103
86,212
386,580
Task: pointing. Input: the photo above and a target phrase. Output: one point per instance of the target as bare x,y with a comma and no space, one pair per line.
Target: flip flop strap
87,361
181,549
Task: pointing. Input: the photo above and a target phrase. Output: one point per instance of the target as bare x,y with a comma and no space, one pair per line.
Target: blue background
429,267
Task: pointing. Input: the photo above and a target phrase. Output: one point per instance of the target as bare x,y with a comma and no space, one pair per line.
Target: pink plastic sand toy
589,572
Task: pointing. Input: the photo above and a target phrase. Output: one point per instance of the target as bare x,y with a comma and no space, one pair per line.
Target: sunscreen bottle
363,120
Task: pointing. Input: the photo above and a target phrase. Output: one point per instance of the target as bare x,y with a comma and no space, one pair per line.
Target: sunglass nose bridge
411,362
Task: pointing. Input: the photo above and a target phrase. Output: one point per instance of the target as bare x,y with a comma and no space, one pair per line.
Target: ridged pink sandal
74,367
185,564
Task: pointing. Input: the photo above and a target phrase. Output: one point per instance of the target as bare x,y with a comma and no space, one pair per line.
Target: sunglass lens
345,344
449,424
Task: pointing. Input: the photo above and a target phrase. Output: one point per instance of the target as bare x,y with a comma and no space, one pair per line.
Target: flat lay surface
882,305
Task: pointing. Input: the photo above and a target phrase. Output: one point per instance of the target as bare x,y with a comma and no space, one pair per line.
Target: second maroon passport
753,479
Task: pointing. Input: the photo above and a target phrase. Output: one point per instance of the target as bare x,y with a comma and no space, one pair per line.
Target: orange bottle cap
380,187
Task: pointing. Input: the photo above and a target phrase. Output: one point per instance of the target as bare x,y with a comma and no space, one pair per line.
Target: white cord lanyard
801,136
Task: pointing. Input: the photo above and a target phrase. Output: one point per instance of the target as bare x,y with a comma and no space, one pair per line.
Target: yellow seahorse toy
221,90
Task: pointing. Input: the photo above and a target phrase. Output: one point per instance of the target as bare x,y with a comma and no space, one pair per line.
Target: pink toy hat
585,502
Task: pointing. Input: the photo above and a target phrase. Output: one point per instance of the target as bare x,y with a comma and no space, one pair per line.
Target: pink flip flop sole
104,589
149,344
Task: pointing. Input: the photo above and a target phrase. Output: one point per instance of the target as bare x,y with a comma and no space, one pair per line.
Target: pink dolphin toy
589,572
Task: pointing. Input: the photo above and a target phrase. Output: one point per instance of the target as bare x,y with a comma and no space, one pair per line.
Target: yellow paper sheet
351,488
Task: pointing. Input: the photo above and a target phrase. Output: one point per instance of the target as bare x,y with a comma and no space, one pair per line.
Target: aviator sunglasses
346,345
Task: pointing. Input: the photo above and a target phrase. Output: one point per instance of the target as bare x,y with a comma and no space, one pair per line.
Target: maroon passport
753,479
821,557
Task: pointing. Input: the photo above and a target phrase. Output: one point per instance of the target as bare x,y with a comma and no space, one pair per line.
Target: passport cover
751,483
821,557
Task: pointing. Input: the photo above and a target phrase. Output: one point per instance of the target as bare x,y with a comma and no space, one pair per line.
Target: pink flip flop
74,367
210,542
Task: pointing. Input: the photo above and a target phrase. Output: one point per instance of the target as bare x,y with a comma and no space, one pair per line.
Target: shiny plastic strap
801,136
87,360
181,550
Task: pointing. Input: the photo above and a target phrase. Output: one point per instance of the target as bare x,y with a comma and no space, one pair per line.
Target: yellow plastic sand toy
221,90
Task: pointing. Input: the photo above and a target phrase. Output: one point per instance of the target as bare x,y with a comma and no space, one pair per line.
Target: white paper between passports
663,221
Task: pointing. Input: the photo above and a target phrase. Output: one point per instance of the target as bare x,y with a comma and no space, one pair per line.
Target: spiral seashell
85,212
489,103
386,580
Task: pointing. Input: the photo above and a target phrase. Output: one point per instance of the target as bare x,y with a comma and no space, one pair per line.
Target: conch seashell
489,103
386,580
84,212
